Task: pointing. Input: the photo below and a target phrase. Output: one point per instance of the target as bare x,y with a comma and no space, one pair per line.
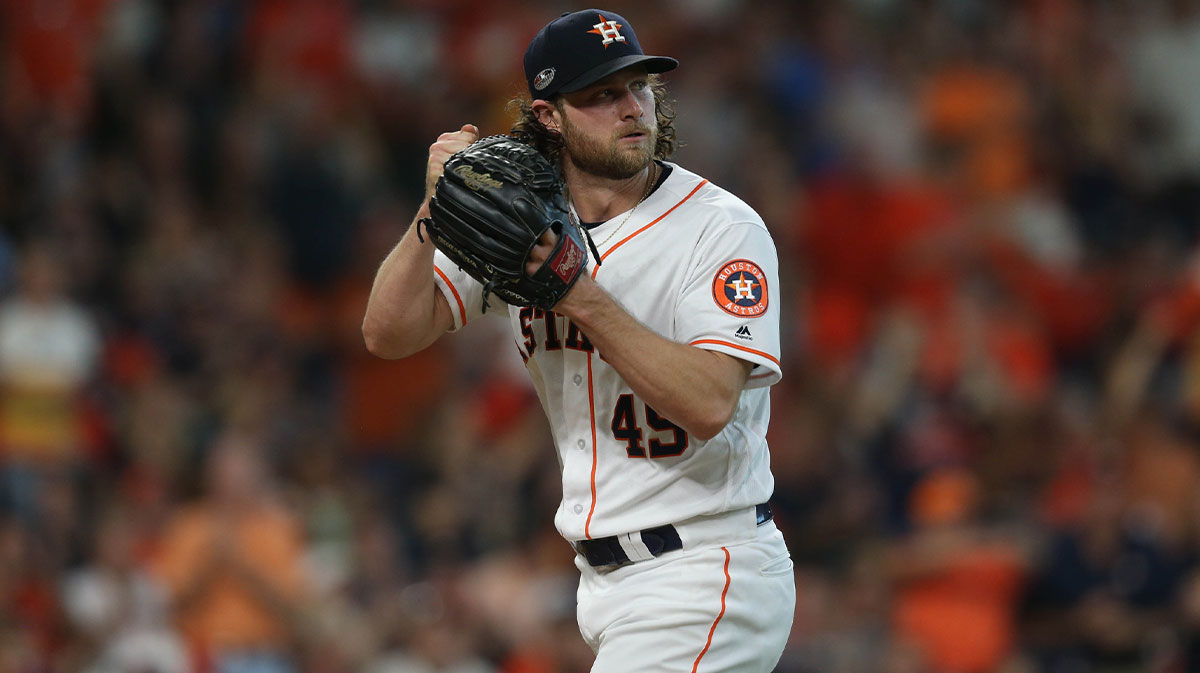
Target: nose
630,107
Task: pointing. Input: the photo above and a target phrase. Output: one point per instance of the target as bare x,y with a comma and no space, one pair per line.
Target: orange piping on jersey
741,348
654,222
719,615
462,311
762,376
592,416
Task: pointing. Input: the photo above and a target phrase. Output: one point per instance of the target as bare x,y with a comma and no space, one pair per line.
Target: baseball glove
492,203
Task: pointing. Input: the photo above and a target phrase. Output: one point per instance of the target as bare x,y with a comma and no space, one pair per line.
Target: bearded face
618,155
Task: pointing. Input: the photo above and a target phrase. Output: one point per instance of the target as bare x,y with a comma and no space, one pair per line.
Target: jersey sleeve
730,300
462,292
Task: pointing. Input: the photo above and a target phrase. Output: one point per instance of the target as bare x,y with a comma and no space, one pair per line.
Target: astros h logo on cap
609,30
579,48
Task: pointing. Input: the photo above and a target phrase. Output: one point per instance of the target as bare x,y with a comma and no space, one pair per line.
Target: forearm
696,389
406,313
403,314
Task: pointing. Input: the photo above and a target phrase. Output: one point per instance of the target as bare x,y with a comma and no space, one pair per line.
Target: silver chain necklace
649,187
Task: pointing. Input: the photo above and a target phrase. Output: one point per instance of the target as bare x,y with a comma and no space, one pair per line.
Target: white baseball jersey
696,265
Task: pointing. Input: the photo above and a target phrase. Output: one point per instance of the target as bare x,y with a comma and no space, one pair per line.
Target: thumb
471,128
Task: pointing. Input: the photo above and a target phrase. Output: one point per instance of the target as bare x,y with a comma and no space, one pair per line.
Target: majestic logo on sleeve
740,288
609,30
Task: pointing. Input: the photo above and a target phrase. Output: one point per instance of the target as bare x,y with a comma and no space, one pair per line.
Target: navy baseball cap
579,48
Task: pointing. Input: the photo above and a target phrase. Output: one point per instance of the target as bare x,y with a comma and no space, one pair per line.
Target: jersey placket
577,441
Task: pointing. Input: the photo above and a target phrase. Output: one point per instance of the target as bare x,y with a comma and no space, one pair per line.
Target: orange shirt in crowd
957,600
962,617
982,114
228,613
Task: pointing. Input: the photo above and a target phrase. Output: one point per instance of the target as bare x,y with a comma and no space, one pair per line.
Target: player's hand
541,252
578,293
441,150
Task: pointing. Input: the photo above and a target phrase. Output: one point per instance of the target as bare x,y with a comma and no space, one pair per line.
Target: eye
640,84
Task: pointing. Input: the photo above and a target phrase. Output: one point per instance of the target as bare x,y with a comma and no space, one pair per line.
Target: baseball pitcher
645,302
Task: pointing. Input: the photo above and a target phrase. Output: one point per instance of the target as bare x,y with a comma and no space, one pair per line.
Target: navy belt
606,551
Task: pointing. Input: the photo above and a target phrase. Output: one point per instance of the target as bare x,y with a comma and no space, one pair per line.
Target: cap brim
653,64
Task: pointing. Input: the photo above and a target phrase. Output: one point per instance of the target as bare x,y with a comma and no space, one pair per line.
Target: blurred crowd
987,439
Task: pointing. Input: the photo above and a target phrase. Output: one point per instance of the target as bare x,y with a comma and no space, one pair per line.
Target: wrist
582,300
417,226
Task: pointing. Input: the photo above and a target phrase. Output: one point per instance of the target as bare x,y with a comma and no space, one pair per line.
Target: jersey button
580,443
579,509
578,379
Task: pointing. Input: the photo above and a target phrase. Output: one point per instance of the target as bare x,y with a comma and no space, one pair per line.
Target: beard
607,158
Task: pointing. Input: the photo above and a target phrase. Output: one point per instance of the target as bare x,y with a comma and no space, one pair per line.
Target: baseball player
654,369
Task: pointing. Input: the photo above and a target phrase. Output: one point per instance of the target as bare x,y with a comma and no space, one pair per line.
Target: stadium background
986,441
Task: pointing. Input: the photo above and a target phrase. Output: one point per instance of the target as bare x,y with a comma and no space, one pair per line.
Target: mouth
635,136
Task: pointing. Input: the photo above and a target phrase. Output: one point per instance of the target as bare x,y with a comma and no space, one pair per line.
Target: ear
547,114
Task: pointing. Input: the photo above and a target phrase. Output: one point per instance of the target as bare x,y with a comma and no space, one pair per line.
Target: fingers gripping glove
493,202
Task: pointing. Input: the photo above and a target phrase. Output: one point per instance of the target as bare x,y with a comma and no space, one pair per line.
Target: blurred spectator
232,566
48,353
1163,58
525,600
47,51
957,579
978,119
119,609
32,632
373,604
1103,594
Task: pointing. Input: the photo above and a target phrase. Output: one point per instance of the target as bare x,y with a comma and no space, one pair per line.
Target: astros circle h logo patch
740,288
